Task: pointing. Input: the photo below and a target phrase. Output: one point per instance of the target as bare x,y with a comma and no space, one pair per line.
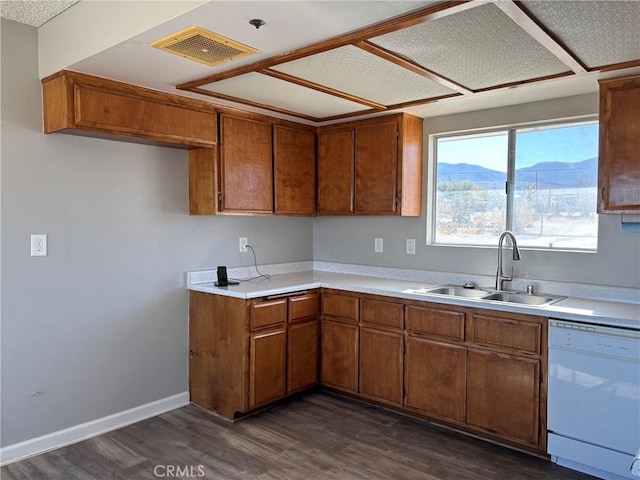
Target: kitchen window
539,181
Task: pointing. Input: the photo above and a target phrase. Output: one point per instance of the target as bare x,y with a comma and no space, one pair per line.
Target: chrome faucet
500,276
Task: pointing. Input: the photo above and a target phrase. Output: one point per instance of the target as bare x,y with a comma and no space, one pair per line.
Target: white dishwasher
594,398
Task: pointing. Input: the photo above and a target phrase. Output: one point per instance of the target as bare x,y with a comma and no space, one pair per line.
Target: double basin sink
531,299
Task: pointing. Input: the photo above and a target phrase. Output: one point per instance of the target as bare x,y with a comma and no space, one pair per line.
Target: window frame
510,129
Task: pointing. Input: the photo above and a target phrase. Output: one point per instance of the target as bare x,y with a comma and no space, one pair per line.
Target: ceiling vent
203,46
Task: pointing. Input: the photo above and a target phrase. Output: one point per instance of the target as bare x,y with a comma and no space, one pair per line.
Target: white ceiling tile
33,12
266,90
599,32
478,48
352,70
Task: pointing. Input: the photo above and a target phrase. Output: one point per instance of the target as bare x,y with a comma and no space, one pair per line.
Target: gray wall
100,324
350,240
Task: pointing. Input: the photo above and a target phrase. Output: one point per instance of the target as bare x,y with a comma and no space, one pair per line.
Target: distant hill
545,174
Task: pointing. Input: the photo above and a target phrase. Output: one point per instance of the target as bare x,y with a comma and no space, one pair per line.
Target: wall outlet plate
242,244
411,246
38,245
378,245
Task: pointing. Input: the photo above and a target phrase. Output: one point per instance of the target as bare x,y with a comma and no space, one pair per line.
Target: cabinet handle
286,295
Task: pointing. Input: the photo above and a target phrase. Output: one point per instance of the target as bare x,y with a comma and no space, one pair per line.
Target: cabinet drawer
506,333
340,306
435,322
304,306
386,314
265,314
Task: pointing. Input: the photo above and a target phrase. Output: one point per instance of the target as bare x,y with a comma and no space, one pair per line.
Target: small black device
223,280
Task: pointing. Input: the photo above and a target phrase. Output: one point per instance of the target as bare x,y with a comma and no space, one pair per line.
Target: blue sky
567,144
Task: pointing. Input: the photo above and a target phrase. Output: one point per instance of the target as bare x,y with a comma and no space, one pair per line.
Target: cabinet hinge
219,197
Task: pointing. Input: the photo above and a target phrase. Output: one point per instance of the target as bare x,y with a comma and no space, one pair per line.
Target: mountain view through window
540,182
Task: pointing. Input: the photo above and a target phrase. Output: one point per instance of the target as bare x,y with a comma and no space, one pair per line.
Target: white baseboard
77,433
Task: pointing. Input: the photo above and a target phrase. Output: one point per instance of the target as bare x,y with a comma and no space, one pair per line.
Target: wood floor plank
317,436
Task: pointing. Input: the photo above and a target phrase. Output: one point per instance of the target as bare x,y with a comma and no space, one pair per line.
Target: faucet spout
500,275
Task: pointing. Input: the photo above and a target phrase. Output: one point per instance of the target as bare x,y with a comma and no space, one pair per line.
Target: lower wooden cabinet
381,365
435,378
503,395
339,355
245,354
268,370
302,355
340,341
475,369
381,350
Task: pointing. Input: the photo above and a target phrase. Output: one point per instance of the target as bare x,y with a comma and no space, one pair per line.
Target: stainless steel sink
523,298
518,298
458,291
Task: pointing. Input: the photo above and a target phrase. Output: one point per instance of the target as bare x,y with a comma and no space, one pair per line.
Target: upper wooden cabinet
294,165
619,163
246,166
262,167
371,167
75,102
336,171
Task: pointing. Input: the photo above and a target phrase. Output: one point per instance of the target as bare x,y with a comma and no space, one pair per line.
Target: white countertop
602,312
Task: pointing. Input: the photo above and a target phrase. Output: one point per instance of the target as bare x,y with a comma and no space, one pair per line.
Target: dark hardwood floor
314,436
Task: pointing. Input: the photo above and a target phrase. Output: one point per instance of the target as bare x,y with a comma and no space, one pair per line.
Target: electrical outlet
378,245
38,245
244,241
411,246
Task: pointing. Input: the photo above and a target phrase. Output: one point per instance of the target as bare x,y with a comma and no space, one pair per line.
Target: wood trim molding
408,20
411,66
321,88
540,34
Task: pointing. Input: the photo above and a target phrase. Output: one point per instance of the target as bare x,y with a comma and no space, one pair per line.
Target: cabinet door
294,162
303,356
246,167
268,365
381,365
503,395
619,163
340,356
376,172
85,102
435,378
335,172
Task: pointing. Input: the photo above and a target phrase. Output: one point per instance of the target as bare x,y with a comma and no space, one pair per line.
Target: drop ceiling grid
266,90
599,32
352,70
478,48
